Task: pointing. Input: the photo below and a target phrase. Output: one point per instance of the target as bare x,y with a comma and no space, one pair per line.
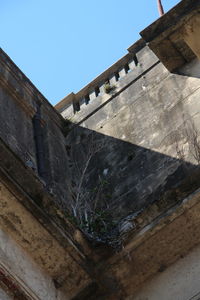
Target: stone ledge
170,19
166,36
30,216
161,243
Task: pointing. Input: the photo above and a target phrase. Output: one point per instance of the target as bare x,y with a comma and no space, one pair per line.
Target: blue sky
61,45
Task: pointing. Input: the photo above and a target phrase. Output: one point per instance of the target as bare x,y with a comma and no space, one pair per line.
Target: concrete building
100,195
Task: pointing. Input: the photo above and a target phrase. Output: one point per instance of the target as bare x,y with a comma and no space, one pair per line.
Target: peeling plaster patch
24,270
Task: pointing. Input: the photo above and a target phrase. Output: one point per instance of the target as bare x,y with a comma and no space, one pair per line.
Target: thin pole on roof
160,8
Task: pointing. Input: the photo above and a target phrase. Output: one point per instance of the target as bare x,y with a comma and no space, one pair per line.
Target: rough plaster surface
19,161
19,100
39,243
26,273
179,282
4,296
16,128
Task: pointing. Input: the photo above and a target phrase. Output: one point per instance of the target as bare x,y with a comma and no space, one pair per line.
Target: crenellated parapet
109,83
171,40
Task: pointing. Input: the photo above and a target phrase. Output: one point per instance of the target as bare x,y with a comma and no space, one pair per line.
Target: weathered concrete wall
20,104
50,247
4,296
30,279
33,176
180,281
149,125
16,128
131,149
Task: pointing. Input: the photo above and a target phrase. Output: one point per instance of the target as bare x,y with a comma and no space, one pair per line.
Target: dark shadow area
111,175
191,69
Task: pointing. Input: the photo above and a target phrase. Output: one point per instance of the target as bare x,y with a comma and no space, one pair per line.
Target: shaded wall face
150,137
16,129
55,158
20,102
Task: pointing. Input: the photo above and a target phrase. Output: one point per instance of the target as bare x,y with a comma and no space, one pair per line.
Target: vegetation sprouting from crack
91,185
108,88
89,205
189,142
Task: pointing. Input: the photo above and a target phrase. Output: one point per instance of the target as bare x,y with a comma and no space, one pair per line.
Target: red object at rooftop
160,7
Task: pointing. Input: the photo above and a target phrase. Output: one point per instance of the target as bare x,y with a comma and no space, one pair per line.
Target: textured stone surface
147,131
166,36
133,151
19,102
180,281
4,296
153,249
25,271
28,200
39,243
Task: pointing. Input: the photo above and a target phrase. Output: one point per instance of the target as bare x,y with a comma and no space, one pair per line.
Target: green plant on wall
108,88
